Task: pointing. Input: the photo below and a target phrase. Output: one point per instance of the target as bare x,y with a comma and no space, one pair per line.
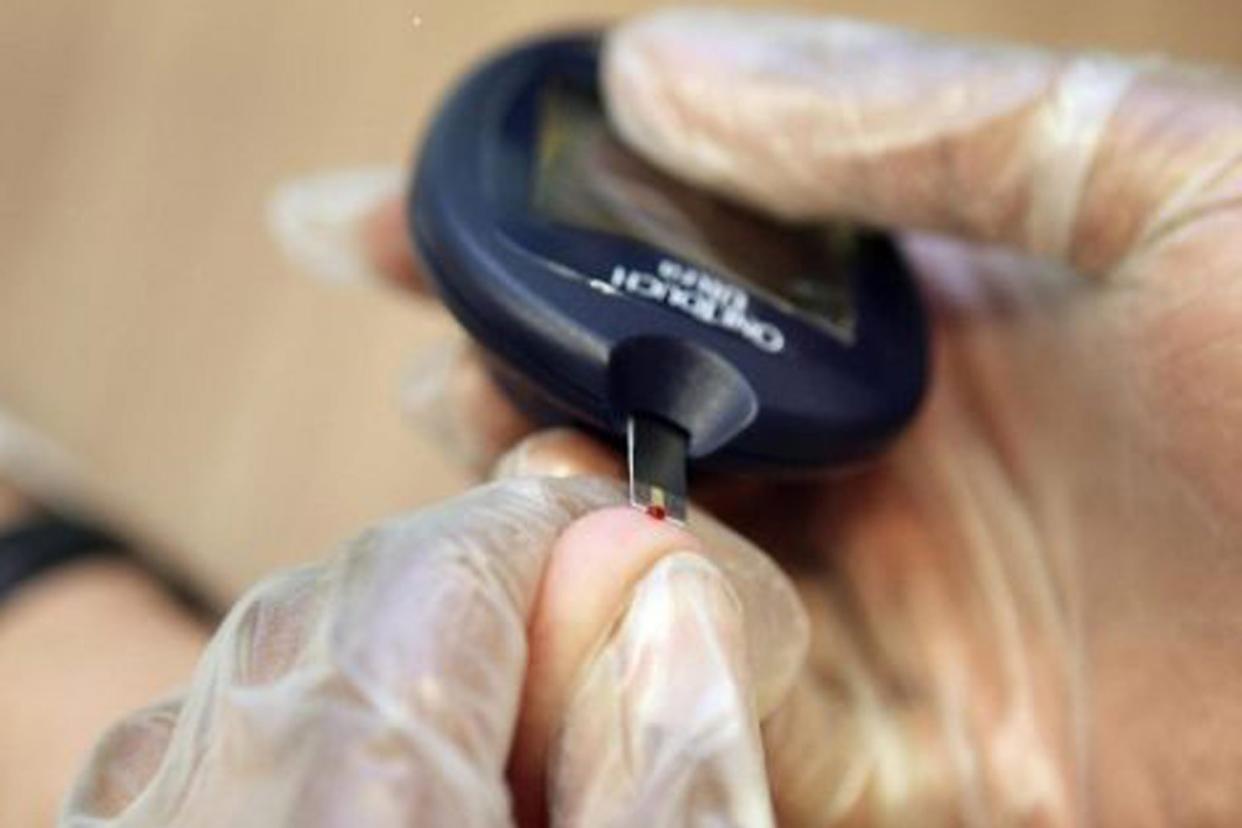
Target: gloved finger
348,226
451,394
849,745
122,764
430,627
559,452
586,587
381,686
140,773
663,727
808,117
943,678
839,747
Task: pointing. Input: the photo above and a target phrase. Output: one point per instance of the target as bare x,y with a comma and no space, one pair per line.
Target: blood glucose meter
611,295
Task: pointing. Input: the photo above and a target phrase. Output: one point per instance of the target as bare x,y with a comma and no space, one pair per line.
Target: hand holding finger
381,685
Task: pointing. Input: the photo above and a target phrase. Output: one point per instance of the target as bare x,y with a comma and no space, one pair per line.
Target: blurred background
160,364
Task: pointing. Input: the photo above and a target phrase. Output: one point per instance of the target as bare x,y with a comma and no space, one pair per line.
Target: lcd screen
586,178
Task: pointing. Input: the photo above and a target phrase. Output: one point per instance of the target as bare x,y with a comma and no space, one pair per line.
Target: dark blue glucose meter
610,295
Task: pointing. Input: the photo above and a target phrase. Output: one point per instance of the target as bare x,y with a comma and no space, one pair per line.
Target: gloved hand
383,688
1025,614
1038,585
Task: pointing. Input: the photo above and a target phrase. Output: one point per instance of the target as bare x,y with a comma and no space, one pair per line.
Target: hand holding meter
612,296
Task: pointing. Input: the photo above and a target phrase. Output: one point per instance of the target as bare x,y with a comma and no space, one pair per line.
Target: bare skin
80,647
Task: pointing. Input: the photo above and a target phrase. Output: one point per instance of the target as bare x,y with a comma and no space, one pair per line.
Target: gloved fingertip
122,763
633,75
654,62
558,452
321,223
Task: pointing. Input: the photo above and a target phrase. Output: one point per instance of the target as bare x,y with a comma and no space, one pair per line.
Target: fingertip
387,245
634,79
558,452
124,762
619,540
593,565
318,221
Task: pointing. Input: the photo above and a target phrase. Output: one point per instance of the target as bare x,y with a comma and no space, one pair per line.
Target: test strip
657,466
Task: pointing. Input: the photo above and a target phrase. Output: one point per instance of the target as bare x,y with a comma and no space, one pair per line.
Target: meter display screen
586,178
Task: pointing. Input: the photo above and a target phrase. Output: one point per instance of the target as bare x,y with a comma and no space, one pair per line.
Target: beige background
202,393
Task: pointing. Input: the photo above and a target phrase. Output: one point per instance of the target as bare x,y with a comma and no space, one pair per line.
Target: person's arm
80,646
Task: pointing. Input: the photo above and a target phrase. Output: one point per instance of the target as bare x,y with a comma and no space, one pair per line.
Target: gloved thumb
1079,157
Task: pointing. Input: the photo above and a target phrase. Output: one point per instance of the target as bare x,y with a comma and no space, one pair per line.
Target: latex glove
1026,613
1030,605
384,687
